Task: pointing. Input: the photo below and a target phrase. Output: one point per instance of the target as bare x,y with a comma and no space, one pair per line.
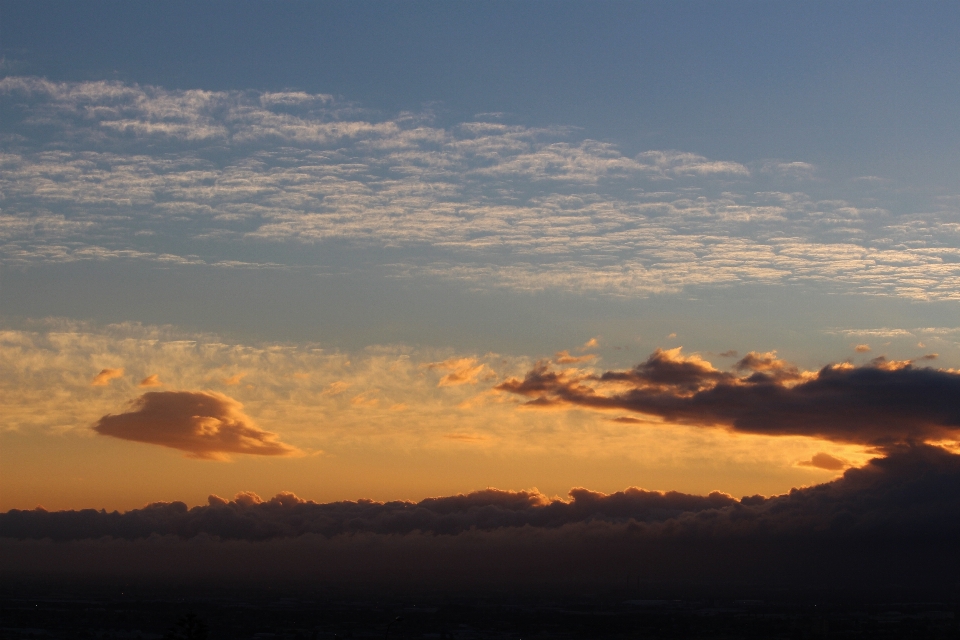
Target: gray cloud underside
892,522
880,404
86,167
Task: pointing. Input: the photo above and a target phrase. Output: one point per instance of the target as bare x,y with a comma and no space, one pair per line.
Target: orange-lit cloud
670,368
862,348
235,379
881,404
592,343
151,381
824,461
462,371
464,437
881,362
103,378
204,424
564,357
336,388
362,400
768,364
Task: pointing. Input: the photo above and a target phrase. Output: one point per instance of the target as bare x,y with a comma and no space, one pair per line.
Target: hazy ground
117,611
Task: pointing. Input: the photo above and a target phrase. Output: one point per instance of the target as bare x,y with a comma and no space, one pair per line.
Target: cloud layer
107,171
883,403
204,424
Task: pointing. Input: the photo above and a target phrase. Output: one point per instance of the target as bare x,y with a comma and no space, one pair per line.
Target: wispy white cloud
677,163
508,205
796,170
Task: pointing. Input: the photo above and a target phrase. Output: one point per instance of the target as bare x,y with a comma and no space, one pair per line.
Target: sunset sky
403,250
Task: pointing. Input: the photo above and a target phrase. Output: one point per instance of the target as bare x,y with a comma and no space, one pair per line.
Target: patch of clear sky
861,87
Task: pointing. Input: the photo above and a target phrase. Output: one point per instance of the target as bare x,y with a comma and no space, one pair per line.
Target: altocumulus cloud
204,424
882,404
309,169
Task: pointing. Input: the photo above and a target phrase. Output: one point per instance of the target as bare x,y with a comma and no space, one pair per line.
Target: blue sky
861,87
468,187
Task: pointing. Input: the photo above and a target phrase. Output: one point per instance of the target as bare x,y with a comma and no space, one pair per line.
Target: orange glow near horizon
444,438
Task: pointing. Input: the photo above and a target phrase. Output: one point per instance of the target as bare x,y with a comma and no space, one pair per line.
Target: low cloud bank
248,517
913,492
892,522
882,404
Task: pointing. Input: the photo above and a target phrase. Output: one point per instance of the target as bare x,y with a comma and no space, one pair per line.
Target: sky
400,251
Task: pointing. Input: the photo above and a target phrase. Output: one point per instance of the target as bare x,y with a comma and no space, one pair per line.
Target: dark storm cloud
880,404
894,521
204,424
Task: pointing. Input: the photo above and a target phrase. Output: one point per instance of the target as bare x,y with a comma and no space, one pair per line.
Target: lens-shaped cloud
204,424
824,461
881,404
